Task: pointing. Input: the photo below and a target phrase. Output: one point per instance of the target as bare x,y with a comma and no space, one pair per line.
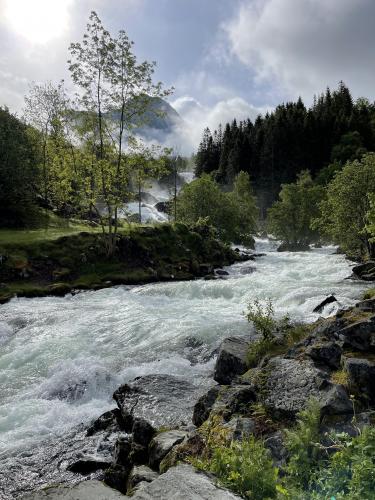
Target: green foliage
232,214
370,225
302,444
18,172
262,317
344,212
245,467
350,472
266,325
289,219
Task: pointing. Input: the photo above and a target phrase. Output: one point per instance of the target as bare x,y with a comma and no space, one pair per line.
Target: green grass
12,237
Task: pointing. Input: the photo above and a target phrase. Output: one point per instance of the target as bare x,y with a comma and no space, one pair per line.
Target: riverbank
145,254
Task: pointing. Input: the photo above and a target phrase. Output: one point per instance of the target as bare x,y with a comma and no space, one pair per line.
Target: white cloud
196,117
301,46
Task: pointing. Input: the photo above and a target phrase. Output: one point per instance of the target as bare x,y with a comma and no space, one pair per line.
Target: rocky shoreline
148,443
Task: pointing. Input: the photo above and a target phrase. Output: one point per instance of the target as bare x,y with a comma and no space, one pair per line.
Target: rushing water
51,346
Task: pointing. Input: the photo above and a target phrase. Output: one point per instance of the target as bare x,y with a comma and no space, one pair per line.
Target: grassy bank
57,261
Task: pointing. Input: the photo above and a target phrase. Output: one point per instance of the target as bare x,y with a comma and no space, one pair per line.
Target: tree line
279,145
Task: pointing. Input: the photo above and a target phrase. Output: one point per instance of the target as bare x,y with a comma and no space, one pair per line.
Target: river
94,341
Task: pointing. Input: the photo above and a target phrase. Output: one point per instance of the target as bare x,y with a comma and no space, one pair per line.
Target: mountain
161,118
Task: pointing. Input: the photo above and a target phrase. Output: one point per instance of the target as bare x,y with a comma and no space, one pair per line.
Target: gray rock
231,359
162,400
365,271
122,451
110,421
275,443
204,406
289,384
359,335
142,431
367,305
138,454
334,400
182,483
240,428
326,353
162,444
234,399
141,473
88,490
361,374
116,477
221,272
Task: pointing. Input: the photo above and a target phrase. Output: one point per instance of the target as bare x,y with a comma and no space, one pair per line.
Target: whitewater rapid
94,341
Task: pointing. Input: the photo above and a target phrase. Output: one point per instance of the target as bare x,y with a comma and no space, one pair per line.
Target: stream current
62,358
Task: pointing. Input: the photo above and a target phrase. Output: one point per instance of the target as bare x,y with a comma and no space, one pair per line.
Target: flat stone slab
182,483
87,490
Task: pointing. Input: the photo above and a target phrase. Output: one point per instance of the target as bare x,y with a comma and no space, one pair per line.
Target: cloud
195,117
301,46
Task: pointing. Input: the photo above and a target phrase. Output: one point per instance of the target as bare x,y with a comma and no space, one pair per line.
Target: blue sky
225,58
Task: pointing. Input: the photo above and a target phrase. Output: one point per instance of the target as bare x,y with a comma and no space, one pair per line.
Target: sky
226,58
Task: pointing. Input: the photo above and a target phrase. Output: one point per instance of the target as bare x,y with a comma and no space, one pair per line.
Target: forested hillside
277,146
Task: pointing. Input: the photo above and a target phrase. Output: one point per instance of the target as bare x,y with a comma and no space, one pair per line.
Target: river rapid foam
61,358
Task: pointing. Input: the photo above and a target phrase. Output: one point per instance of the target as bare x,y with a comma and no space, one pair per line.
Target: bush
232,214
265,324
303,445
245,467
350,472
289,219
346,213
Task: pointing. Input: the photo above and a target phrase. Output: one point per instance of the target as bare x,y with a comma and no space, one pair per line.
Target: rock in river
231,359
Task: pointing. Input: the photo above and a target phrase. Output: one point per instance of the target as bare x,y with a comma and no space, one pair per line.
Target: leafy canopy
344,213
232,214
289,219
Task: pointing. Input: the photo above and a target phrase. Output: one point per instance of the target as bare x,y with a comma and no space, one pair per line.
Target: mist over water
62,358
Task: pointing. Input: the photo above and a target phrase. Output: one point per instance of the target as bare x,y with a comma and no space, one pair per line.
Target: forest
292,138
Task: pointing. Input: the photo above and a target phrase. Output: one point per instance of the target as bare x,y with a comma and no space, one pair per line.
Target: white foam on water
60,366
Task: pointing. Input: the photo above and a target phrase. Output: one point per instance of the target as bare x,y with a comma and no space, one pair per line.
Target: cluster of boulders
364,271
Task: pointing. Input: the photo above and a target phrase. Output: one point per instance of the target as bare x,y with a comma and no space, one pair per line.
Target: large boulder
88,490
365,271
204,406
231,360
359,335
141,473
361,373
290,383
162,444
142,431
162,400
325,353
110,421
181,483
234,399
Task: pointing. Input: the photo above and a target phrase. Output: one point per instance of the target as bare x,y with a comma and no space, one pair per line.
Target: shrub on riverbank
232,214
